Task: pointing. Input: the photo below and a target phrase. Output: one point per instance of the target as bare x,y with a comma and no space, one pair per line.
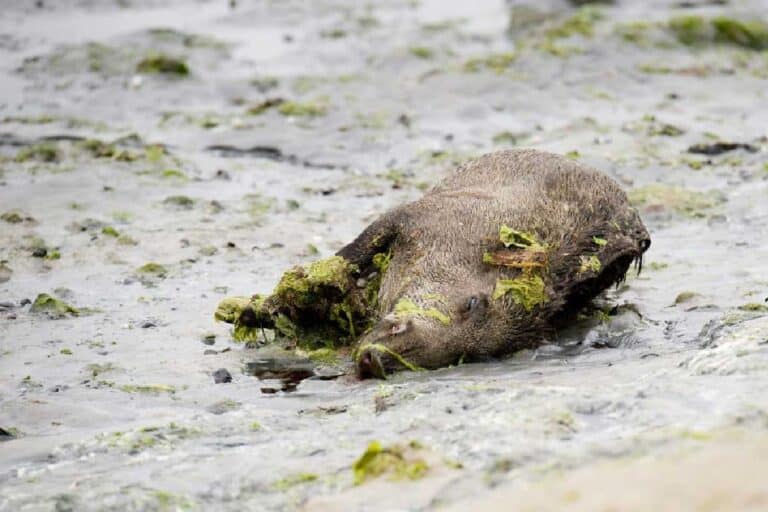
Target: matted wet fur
438,244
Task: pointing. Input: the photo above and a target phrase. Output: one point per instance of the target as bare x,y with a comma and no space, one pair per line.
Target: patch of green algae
293,480
526,290
314,307
590,264
407,308
378,347
52,306
698,31
163,64
396,461
677,199
520,239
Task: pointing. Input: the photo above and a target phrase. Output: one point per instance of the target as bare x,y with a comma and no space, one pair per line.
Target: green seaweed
406,308
582,23
53,307
690,30
378,460
182,202
326,356
508,138
12,217
378,347
43,152
699,31
302,109
680,200
163,64
498,62
754,307
101,149
526,290
422,52
634,32
590,264
263,106
684,297
148,389
152,269
293,480
520,239
110,231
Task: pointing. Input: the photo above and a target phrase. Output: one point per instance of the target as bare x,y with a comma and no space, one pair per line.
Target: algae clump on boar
315,306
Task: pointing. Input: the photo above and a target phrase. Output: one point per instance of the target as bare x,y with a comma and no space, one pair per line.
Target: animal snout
370,365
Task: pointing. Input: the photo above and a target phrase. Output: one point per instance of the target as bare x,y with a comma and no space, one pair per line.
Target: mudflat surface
141,198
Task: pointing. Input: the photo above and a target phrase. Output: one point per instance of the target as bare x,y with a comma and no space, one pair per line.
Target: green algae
754,307
684,297
53,307
581,23
43,152
110,231
100,149
406,308
590,264
520,239
148,389
396,461
293,480
677,199
508,138
162,64
12,217
152,269
182,202
326,356
299,285
381,261
378,347
634,32
699,31
302,109
497,62
263,106
526,290
229,310
421,52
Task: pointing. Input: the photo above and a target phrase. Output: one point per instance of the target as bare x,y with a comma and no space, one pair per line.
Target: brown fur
437,245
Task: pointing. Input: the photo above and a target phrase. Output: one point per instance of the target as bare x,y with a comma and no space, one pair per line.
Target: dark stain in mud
269,153
718,148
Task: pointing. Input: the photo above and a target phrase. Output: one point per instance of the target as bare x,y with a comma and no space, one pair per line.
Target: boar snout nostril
369,366
645,243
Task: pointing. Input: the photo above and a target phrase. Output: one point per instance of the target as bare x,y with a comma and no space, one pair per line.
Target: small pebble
221,376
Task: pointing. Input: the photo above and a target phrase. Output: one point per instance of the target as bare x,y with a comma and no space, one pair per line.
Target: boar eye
471,303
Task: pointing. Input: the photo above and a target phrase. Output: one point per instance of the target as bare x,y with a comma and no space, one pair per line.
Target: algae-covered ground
158,156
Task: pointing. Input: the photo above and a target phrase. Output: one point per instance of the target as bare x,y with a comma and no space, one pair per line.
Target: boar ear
376,238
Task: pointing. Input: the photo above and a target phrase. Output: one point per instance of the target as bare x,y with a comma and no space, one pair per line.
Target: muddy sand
158,156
